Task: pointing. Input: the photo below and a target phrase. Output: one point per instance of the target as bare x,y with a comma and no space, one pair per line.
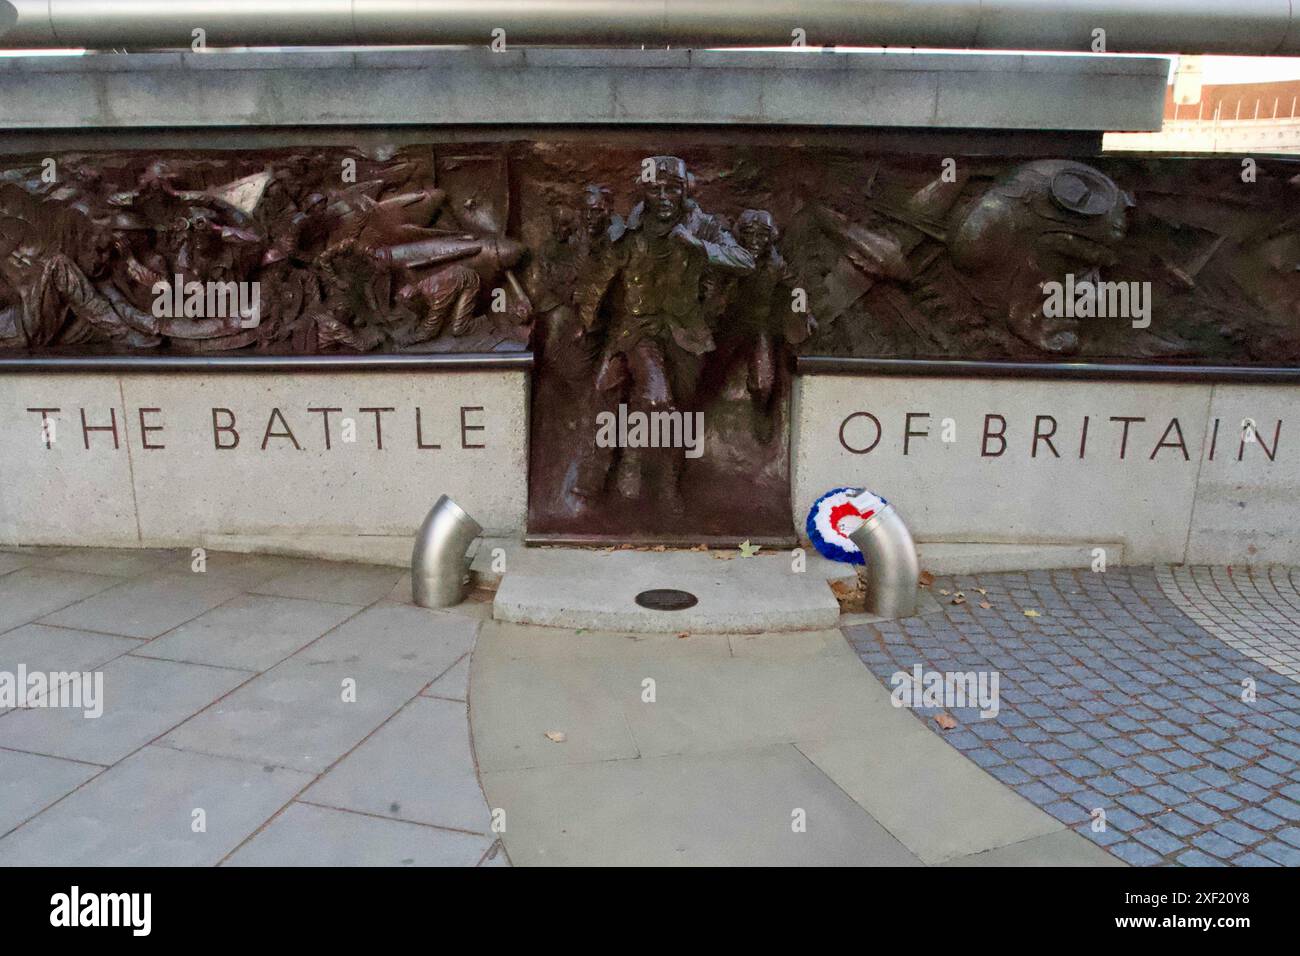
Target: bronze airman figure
645,296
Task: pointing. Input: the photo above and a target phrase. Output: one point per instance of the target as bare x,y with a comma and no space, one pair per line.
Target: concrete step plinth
597,589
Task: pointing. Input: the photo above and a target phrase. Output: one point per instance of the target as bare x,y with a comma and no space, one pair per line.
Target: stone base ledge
966,557
388,550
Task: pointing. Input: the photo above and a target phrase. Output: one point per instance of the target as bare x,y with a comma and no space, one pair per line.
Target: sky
1249,69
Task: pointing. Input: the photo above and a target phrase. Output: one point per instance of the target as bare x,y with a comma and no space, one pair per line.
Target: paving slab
789,646
246,752
397,637
718,698
141,813
581,588
747,702
328,581
247,571
495,856
938,807
12,562
503,641
1062,848
116,562
705,697
43,648
305,835
416,767
30,593
250,632
734,809
142,700
453,684
29,783
146,606
518,702
295,716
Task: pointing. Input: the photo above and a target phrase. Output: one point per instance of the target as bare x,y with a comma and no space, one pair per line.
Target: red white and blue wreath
836,515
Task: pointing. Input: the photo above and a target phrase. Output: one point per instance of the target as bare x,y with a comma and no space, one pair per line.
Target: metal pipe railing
220,363
438,565
1259,27
1048,371
893,572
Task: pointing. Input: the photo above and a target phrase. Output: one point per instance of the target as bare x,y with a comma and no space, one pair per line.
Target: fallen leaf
748,550
959,598
851,594
555,736
946,721
980,591
659,547
985,605
700,547
944,591
723,555
1032,613
683,634
925,579
626,547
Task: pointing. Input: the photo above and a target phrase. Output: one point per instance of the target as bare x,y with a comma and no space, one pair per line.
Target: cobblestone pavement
1256,611
1114,698
260,711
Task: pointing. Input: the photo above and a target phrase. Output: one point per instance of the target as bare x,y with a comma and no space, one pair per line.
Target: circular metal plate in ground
667,599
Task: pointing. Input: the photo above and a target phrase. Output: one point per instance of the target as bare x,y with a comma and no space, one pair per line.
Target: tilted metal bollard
893,572
438,567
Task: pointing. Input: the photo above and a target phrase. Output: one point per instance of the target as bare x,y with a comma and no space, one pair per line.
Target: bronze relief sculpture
654,285
1037,223
762,309
444,249
348,252
645,297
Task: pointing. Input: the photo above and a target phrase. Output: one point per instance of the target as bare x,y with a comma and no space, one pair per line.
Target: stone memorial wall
187,459
1152,473
666,291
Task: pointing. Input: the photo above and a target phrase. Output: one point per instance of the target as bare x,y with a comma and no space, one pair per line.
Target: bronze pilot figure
645,296
763,309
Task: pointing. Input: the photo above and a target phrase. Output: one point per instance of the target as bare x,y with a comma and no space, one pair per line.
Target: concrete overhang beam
583,87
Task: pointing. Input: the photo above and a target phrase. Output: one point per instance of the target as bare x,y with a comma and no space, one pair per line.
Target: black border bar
522,360
1086,371
447,361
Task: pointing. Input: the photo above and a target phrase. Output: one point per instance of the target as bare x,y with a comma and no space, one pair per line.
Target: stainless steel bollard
893,572
438,566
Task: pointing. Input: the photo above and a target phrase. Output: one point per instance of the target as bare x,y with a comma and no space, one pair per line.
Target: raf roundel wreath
836,515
